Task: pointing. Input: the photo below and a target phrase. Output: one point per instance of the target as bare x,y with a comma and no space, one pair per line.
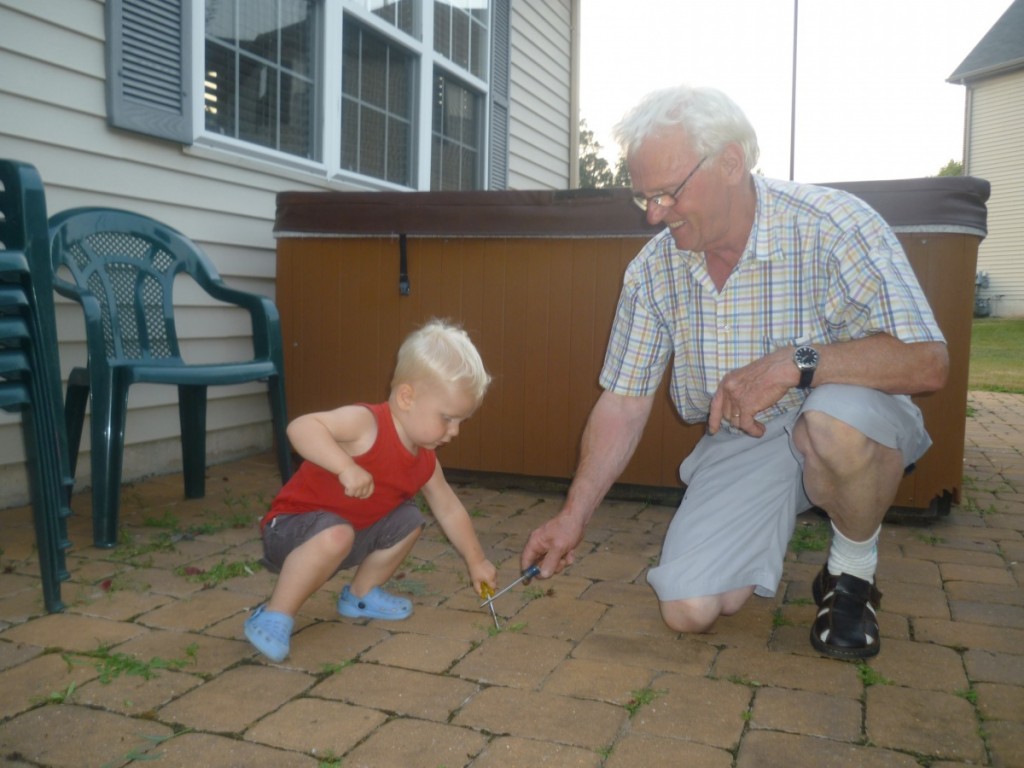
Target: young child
350,503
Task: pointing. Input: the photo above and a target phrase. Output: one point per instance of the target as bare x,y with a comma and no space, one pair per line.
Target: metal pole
792,112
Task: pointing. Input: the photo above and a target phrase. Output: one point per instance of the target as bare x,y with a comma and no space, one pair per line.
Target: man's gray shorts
286,532
744,493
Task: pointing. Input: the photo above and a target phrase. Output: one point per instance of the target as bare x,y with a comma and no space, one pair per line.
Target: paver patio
148,662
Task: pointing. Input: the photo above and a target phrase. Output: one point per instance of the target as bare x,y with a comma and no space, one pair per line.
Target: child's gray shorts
286,532
744,493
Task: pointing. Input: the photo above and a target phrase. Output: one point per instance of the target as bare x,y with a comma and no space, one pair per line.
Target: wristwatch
806,359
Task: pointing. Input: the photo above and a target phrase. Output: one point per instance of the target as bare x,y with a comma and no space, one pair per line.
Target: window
260,70
376,107
386,93
455,149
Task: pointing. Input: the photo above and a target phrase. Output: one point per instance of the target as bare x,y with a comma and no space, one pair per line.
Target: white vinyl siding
539,135
54,117
996,153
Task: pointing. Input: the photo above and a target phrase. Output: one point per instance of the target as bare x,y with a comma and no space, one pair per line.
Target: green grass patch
997,355
870,676
640,698
112,665
811,536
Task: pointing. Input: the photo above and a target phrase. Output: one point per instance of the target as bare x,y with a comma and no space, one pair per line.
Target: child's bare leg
309,566
380,565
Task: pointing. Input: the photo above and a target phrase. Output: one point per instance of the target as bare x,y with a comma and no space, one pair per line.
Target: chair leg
192,415
109,413
44,473
279,419
74,413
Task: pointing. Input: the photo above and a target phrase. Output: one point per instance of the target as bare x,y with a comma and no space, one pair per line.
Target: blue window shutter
500,52
149,50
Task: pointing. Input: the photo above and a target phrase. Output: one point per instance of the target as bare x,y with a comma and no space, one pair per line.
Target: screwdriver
529,573
487,592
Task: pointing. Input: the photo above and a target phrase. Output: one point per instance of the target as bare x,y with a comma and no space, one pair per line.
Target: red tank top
397,476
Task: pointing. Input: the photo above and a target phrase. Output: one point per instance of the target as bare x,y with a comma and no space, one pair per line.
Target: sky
872,101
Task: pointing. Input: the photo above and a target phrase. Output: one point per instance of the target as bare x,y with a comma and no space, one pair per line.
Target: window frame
333,14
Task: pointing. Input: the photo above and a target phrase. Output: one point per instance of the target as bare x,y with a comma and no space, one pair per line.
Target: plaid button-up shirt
820,266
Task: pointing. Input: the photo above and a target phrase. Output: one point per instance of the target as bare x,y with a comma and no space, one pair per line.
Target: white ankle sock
857,558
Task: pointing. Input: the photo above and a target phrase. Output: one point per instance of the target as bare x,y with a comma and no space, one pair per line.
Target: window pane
443,28
376,106
460,33
261,72
374,71
455,150
396,12
398,151
372,143
478,50
460,38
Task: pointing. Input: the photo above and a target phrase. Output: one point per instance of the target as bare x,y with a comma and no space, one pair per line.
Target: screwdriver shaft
529,573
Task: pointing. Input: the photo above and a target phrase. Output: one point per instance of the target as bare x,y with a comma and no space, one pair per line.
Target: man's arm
613,431
879,361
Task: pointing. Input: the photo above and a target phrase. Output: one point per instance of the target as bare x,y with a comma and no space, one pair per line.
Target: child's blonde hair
443,352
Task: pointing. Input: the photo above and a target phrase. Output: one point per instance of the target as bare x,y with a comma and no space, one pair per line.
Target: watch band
806,376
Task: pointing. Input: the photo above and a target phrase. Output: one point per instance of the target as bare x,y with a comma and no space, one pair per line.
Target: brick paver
148,665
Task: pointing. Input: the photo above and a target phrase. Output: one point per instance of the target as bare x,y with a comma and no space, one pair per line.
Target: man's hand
745,392
552,545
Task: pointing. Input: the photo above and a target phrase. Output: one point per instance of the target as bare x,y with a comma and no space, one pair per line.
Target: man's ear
732,162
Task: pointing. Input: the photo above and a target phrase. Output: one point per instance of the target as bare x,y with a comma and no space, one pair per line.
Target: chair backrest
128,263
25,264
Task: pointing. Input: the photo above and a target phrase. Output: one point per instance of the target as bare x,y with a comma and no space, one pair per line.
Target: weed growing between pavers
495,631
640,698
219,573
57,697
130,549
870,676
328,669
810,537
112,665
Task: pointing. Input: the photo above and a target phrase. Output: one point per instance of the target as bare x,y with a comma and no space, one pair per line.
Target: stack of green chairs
29,368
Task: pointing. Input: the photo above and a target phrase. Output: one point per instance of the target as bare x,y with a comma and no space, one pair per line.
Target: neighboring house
994,149
199,113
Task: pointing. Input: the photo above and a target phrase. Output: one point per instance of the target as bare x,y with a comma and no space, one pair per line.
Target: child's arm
454,520
331,438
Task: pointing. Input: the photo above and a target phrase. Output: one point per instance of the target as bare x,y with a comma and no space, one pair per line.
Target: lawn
997,354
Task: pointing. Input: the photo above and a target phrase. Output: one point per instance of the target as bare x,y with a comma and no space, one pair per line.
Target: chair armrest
266,321
93,316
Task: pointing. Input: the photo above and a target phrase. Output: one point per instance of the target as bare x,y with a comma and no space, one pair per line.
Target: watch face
806,357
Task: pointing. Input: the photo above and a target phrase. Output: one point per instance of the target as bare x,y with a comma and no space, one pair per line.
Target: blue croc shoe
376,604
270,632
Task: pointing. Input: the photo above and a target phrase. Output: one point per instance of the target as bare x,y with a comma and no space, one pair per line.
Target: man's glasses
664,199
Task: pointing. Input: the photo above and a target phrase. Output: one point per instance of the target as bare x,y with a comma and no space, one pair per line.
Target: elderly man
797,330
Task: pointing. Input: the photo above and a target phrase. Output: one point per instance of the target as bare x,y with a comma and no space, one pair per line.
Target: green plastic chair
29,368
124,266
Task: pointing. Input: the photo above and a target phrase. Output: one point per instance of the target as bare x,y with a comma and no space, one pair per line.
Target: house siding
54,117
540,97
995,151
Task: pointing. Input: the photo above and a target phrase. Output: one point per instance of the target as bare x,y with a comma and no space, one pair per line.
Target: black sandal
846,626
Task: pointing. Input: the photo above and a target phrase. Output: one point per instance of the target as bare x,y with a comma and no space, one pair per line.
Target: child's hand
357,481
482,573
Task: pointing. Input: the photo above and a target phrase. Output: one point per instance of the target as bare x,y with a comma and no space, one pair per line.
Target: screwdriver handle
531,572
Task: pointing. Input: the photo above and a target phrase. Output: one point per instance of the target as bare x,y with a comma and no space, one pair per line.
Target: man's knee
826,441
691,616
698,614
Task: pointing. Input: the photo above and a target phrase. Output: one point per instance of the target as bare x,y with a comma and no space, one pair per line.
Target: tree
952,168
594,170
